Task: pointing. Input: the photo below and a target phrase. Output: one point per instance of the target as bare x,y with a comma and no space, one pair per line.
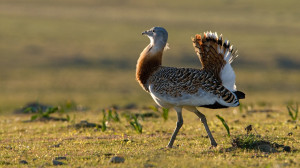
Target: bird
211,86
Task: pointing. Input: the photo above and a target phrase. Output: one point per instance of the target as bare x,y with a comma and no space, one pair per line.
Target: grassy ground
53,51
39,143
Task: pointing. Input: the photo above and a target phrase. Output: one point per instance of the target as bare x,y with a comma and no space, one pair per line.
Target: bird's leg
203,120
178,126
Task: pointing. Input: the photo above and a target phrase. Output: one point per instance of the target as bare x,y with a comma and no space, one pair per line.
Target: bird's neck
148,62
156,46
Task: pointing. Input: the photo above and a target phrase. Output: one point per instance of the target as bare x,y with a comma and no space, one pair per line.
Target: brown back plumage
211,59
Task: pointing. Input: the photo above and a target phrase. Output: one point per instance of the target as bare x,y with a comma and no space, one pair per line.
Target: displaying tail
216,56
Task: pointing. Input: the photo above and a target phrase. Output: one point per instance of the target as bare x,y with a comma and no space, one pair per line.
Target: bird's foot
169,146
213,145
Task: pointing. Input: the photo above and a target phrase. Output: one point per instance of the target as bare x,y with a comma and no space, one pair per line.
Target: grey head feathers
158,37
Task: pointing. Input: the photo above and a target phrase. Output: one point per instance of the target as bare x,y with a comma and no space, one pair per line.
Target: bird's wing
188,83
213,53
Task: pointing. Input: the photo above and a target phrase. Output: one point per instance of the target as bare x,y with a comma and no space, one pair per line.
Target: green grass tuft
136,125
104,119
224,124
249,141
293,112
43,114
163,111
165,114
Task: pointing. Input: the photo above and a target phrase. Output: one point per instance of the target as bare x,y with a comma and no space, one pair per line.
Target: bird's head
157,36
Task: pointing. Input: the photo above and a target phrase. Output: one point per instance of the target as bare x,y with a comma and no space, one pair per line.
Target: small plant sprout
112,115
109,115
103,128
68,118
224,124
136,125
42,114
293,112
68,106
164,112
154,108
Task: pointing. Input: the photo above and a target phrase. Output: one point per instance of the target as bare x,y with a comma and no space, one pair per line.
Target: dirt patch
86,124
255,142
46,119
262,111
32,107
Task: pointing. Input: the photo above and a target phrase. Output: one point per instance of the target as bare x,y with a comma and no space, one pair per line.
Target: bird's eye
153,31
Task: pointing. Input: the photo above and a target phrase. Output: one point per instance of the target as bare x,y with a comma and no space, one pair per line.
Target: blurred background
85,51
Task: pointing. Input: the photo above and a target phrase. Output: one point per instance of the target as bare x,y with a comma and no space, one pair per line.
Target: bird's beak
146,32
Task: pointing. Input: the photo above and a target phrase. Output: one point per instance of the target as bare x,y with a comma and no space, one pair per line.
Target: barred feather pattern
216,57
176,82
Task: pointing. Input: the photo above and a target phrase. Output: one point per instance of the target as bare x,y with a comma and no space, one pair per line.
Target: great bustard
212,86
